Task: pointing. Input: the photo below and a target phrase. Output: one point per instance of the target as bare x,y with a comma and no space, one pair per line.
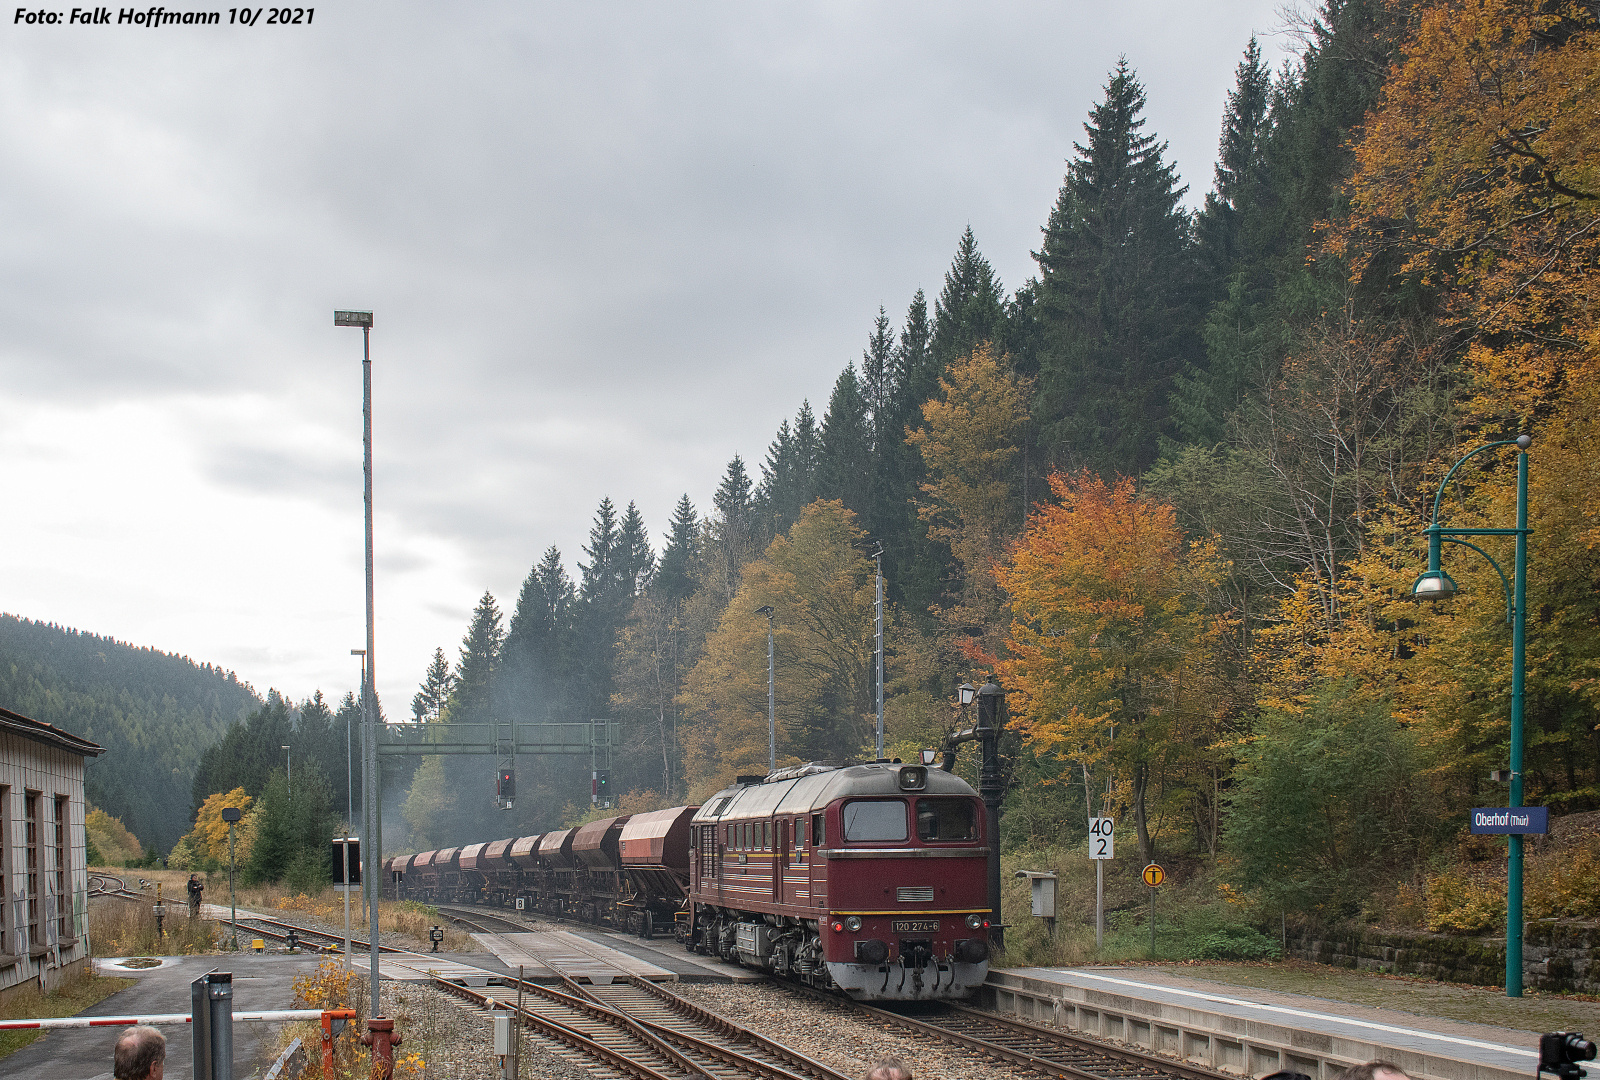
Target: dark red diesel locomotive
871,879
868,878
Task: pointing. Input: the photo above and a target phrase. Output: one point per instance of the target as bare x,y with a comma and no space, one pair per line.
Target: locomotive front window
946,819
875,819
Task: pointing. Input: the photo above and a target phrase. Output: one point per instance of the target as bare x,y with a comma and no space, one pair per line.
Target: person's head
1373,1070
141,1054
889,1067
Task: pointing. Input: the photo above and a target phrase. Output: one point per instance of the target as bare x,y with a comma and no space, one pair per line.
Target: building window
63,865
30,841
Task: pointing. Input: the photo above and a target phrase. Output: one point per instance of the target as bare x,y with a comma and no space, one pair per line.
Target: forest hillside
154,712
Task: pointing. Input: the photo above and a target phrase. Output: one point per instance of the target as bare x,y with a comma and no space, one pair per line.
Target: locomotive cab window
946,819
875,819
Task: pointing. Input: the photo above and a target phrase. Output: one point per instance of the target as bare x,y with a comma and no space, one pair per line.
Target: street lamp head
1434,585
967,691
765,609
358,652
352,318
1524,441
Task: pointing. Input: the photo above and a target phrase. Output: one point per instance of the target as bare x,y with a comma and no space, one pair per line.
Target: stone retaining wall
1558,955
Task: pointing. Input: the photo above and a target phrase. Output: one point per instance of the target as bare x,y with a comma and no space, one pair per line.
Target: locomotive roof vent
746,781
795,772
913,778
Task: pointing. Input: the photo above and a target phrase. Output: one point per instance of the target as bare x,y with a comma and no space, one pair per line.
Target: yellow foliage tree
1109,636
117,845
820,586
207,842
971,442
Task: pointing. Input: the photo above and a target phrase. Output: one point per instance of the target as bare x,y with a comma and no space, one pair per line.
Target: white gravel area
838,1037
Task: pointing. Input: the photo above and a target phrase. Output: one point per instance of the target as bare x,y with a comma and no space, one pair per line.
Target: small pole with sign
1153,877
1101,848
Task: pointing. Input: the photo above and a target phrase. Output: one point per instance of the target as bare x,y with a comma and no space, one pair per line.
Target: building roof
39,731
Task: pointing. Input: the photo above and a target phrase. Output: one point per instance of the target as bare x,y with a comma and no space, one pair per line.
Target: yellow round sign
1154,875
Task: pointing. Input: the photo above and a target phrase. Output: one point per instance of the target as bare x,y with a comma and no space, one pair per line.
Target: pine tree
878,381
472,695
600,574
635,561
434,692
970,310
674,573
1114,292
1238,194
845,469
916,376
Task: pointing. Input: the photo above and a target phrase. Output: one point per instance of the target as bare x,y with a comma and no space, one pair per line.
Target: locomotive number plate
916,926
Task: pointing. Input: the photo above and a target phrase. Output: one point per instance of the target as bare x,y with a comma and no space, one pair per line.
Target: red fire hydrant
382,1038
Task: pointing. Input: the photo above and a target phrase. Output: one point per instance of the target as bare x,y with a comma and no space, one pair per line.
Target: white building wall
50,772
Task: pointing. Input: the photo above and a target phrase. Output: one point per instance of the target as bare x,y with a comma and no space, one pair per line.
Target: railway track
637,1030
279,930
1001,1039
1017,1042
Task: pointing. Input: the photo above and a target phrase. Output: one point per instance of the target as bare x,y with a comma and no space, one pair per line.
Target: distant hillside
155,714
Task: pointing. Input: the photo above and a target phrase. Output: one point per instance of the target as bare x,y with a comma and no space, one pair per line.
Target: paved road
259,982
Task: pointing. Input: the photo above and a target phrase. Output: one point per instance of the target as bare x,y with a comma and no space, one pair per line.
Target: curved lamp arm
1510,609
1521,442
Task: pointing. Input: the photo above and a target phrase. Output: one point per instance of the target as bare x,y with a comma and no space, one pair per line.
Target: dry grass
75,995
128,928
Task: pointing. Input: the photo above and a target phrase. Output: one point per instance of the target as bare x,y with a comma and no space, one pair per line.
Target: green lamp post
1435,584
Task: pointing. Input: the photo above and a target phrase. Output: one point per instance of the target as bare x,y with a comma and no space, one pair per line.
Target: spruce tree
635,561
674,573
846,461
969,311
600,574
434,693
1114,292
1238,194
472,695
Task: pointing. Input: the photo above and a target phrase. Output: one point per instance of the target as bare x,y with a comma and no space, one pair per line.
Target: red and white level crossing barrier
271,1016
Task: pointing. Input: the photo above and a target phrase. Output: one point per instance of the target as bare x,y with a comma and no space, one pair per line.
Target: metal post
1435,585
233,903
1518,631
1152,924
1099,904
991,787
200,1022
219,989
369,779
345,873
877,558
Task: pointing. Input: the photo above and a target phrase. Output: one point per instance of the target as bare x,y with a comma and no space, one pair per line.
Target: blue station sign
1511,819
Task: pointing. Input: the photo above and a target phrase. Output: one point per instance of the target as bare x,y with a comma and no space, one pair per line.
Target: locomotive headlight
852,924
974,921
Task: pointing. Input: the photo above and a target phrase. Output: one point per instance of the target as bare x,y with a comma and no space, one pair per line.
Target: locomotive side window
946,819
766,836
875,819
819,832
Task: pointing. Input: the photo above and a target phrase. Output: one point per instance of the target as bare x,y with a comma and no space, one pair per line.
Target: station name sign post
1511,820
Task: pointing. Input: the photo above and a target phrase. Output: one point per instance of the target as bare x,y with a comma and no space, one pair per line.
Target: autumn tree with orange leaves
1109,637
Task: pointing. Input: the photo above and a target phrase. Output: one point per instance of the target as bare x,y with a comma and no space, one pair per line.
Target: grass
77,994
126,928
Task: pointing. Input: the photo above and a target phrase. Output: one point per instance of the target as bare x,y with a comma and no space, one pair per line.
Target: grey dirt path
259,982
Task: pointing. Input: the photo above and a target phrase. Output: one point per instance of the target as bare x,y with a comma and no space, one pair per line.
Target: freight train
867,879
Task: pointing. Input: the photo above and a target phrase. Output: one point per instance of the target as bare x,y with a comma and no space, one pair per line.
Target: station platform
1251,1032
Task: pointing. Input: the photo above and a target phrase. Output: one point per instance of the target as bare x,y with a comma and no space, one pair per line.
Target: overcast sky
607,246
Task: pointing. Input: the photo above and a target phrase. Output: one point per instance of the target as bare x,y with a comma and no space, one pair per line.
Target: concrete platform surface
1408,1034
259,982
